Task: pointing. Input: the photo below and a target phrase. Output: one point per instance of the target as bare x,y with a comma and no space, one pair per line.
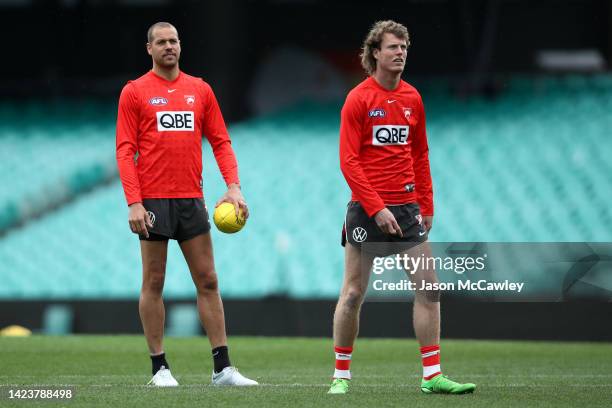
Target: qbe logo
385,135
174,121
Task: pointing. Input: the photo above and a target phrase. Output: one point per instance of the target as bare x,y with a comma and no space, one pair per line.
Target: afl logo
151,217
157,101
359,234
377,113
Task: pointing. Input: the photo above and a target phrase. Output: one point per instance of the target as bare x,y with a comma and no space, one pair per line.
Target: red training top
383,147
163,122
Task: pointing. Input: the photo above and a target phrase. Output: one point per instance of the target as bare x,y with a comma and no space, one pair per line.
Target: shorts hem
154,236
192,235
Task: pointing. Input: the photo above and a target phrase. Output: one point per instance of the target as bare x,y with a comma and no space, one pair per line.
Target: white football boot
163,378
231,376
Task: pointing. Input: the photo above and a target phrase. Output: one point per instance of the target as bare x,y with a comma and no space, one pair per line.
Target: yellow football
15,331
226,220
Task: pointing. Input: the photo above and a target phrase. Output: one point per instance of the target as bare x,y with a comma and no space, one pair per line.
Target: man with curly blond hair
384,157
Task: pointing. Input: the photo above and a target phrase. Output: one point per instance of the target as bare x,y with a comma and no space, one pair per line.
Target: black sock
159,361
220,358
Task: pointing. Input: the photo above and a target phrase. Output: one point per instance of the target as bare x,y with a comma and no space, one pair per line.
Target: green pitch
111,371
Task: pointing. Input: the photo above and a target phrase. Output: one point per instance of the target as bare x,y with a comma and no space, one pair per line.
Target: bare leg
426,311
198,253
356,277
151,304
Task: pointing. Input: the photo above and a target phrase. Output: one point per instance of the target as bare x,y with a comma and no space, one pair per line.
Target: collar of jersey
165,80
379,86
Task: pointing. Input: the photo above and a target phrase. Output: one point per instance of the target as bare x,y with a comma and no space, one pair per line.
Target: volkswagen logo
151,217
359,234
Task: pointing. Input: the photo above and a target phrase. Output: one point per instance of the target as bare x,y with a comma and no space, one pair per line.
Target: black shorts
176,218
359,229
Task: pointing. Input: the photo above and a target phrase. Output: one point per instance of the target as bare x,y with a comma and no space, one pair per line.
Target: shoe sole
468,391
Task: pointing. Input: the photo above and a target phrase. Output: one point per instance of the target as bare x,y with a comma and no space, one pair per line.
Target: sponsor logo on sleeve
175,121
386,135
377,113
158,101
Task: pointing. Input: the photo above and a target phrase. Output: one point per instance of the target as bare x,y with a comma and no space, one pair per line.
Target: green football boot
339,386
441,384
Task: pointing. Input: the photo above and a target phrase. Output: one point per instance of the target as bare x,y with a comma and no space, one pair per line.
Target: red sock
431,361
343,362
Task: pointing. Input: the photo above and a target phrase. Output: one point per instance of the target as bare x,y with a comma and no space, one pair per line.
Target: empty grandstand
527,166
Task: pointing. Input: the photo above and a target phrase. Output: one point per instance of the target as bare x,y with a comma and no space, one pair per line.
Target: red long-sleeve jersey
383,147
162,122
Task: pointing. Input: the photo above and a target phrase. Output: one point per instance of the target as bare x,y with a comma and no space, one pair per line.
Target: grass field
111,371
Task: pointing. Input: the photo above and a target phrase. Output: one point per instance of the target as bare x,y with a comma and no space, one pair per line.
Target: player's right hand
387,223
138,219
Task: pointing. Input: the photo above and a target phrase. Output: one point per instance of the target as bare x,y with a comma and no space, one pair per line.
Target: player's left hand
234,196
428,222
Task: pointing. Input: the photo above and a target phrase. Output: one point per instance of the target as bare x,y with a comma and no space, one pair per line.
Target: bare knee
153,282
352,297
153,267
206,280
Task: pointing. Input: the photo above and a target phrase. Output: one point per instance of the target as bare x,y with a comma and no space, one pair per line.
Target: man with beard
162,116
